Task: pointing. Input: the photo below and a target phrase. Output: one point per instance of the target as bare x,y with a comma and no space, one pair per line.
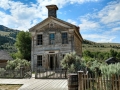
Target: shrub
71,62
2,70
111,69
17,63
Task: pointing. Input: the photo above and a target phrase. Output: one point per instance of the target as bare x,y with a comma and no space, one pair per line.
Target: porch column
54,61
48,61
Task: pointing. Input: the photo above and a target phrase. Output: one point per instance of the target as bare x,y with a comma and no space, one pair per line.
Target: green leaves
17,63
71,62
110,69
23,44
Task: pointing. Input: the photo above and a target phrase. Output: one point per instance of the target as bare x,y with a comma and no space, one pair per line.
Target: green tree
118,55
113,53
23,45
87,53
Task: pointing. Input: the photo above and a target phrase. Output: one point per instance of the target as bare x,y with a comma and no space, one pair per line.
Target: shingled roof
4,55
111,60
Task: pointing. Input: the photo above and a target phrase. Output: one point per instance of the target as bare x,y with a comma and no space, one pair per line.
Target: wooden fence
22,73
50,74
98,82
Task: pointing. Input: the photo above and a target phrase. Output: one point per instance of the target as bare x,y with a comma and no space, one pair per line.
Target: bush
2,70
71,62
17,63
111,69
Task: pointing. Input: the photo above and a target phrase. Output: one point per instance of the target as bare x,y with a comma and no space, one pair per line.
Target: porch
38,84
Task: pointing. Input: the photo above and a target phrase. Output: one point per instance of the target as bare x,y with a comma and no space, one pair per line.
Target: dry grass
10,86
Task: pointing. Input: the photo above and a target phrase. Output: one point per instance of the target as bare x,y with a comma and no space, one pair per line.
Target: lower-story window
63,55
39,60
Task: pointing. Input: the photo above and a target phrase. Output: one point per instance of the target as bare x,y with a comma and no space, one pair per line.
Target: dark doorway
51,62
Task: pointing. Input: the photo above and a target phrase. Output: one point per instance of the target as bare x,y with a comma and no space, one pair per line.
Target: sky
99,20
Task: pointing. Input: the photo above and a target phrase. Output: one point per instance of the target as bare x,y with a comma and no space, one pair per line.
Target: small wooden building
112,60
4,57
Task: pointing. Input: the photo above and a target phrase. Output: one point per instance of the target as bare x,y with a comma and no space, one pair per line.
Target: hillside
102,47
7,38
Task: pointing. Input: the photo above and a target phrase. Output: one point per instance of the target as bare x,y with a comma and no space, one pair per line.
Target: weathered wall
74,44
77,45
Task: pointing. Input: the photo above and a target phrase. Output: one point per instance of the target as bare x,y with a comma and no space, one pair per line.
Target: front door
51,62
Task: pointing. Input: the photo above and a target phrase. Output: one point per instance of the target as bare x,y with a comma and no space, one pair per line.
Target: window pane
64,38
39,39
51,38
39,60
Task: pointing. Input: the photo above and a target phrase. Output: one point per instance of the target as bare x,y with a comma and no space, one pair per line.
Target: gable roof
60,21
52,18
4,55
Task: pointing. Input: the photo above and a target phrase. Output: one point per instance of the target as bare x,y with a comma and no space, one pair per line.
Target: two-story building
52,39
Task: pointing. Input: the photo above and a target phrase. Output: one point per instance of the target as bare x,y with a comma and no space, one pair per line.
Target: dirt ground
9,86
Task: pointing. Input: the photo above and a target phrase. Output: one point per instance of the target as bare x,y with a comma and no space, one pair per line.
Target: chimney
52,10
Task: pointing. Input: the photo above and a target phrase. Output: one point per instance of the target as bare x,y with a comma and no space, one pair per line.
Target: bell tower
52,10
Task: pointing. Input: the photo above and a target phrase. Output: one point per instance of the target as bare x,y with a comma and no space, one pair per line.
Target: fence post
80,80
36,72
21,72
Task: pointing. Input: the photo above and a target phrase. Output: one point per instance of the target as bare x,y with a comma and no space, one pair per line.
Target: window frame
39,60
51,38
64,38
40,39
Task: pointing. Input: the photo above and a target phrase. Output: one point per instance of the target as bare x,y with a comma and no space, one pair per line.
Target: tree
23,45
113,53
118,55
71,62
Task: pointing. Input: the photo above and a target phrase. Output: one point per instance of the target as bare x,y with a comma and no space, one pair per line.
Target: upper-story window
64,38
51,38
39,39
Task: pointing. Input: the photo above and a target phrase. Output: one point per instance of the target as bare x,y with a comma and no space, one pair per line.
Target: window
63,55
51,38
39,39
39,60
64,38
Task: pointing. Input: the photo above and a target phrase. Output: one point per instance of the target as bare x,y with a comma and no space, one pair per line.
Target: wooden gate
50,74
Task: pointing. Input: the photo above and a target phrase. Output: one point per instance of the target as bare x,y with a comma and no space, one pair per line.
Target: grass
10,86
98,47
3,33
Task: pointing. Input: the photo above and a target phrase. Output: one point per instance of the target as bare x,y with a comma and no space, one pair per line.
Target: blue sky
99,20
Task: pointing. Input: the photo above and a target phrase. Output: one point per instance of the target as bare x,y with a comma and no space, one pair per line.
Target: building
112,60
4,57
52,39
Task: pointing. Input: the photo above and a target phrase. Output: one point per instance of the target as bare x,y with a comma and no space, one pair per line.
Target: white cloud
4,4
111,13
23,16
88,25
116,29
72,21
61,3
106,21
99,37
